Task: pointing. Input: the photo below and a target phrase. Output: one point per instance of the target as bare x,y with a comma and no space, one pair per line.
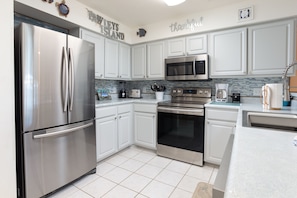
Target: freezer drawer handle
62,132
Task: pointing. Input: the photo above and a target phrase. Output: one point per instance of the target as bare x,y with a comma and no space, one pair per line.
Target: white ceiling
137,13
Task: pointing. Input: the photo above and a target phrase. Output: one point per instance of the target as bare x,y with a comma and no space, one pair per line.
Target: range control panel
201,92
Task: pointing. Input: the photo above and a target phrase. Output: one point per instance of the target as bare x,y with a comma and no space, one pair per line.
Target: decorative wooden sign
108,28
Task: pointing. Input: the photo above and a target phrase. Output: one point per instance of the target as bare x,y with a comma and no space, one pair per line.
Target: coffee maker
221,94
122,92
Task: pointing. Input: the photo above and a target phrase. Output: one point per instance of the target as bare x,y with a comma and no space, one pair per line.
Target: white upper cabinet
99,50
187,45
117,60
196,44
227,52
124,61
271,48
155,60
176,47
139,61
148,61
111,59
266,51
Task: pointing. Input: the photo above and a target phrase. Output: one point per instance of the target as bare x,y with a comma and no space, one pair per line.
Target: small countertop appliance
123,93
134,93
221,94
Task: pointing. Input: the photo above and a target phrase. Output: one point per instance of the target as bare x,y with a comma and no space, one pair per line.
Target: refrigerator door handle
61,132
71,78
65,78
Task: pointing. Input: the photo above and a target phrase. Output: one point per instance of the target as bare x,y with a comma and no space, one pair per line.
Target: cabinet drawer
222,114
106,112
124,108
145,108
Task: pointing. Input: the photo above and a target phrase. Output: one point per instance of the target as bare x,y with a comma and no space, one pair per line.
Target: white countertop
263,162
119,101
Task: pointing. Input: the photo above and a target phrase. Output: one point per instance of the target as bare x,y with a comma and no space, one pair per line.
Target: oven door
181,128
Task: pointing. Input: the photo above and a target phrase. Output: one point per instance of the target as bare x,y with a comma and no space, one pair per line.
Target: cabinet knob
115,118
120,117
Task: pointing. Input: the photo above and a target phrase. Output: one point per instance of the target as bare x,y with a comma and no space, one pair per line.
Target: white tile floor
138,172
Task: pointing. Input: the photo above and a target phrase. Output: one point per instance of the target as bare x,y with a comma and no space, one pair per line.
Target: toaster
134,93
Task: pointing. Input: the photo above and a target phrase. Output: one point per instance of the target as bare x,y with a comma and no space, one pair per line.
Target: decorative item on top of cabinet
63,8
220,123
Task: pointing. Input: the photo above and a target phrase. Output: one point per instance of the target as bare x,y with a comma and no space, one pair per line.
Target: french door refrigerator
55,110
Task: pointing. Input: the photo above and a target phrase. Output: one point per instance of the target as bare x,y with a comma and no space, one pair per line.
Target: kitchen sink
279,121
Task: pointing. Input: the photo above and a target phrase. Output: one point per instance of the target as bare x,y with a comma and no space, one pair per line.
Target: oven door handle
196,112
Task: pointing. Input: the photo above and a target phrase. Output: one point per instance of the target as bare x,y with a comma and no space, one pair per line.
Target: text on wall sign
108,28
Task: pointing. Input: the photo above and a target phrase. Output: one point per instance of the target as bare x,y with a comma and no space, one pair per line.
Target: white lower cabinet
124,126
219,125
113,129
145,125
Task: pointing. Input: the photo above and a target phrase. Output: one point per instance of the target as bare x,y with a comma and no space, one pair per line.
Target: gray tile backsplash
244,86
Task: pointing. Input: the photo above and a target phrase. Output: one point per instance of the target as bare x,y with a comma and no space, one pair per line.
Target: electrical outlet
257,92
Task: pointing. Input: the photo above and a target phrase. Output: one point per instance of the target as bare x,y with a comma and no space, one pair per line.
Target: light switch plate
245,14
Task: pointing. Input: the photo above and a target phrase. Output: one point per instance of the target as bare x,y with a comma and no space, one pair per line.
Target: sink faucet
285,82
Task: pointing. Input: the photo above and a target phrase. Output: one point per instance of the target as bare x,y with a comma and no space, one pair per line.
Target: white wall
223,17
7,130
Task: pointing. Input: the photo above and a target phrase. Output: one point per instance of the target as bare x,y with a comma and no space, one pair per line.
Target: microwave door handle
194,68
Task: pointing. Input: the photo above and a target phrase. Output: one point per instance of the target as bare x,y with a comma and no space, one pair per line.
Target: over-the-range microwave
187,68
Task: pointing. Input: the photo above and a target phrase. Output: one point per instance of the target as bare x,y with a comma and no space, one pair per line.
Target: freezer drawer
55,158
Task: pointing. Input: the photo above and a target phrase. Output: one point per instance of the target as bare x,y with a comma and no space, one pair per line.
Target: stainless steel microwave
187,68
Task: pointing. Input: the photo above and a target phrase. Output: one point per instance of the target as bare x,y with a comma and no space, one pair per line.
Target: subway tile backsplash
244,86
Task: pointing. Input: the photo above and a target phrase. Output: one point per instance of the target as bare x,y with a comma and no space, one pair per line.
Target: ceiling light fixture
173,2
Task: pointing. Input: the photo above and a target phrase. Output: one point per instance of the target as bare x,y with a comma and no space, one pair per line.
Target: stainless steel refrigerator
55,109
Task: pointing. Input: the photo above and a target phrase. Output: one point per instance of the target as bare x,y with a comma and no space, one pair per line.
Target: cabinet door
111,59
196,44
271,48
155,60
106,137
139,61
124,130
124,61
217,134
176,47
99,51
227,52
145,129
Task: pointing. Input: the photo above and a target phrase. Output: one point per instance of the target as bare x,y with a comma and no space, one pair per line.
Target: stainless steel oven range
180,132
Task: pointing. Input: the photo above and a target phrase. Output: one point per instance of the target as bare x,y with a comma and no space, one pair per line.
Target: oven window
181,131
200,67
179,69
